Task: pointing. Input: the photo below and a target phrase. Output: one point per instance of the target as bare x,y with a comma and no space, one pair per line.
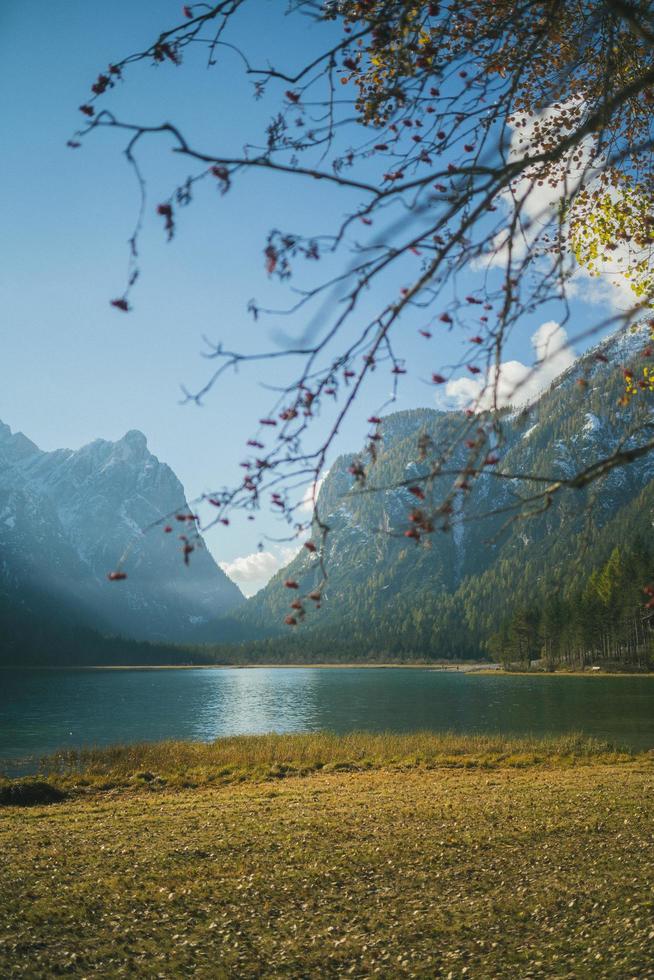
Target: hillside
448,594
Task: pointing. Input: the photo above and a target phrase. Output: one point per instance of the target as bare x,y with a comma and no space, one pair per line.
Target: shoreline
479,668
414,665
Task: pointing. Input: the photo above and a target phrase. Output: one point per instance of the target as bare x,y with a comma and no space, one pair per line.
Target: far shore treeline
598,620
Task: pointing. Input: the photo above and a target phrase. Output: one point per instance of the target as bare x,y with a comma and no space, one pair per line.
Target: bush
30,792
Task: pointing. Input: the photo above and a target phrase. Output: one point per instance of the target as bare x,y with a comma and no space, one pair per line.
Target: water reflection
41,711
249,701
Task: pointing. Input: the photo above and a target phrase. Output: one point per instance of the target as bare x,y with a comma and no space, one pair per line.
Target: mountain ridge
384,588
67,517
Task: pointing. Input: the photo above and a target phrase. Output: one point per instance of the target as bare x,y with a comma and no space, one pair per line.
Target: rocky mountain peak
15,446
70,516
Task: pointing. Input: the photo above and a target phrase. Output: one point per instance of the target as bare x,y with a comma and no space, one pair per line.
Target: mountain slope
449,593
66,517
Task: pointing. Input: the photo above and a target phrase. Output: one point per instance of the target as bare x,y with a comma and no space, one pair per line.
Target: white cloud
459,393
252,572
515,383
609,287
307,500
539,203
538,200
553,353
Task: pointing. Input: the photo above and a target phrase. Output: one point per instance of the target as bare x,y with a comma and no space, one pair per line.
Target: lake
45,710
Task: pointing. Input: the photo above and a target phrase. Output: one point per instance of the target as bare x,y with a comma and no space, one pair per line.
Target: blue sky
73,369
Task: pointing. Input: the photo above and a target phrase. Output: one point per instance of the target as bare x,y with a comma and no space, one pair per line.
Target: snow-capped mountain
67,517
461,579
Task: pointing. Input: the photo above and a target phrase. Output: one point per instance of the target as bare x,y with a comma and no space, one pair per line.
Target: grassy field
312,856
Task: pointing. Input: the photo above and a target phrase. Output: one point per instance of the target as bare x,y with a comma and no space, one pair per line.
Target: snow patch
592,423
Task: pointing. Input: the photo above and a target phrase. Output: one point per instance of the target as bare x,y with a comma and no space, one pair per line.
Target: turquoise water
42,711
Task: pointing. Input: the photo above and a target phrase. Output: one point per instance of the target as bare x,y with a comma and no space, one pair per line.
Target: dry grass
260,757
536,871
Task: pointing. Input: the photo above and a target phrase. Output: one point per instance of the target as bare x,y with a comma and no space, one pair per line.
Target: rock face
463,581
66,517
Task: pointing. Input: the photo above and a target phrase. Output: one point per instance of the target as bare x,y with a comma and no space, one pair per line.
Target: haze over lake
43,711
